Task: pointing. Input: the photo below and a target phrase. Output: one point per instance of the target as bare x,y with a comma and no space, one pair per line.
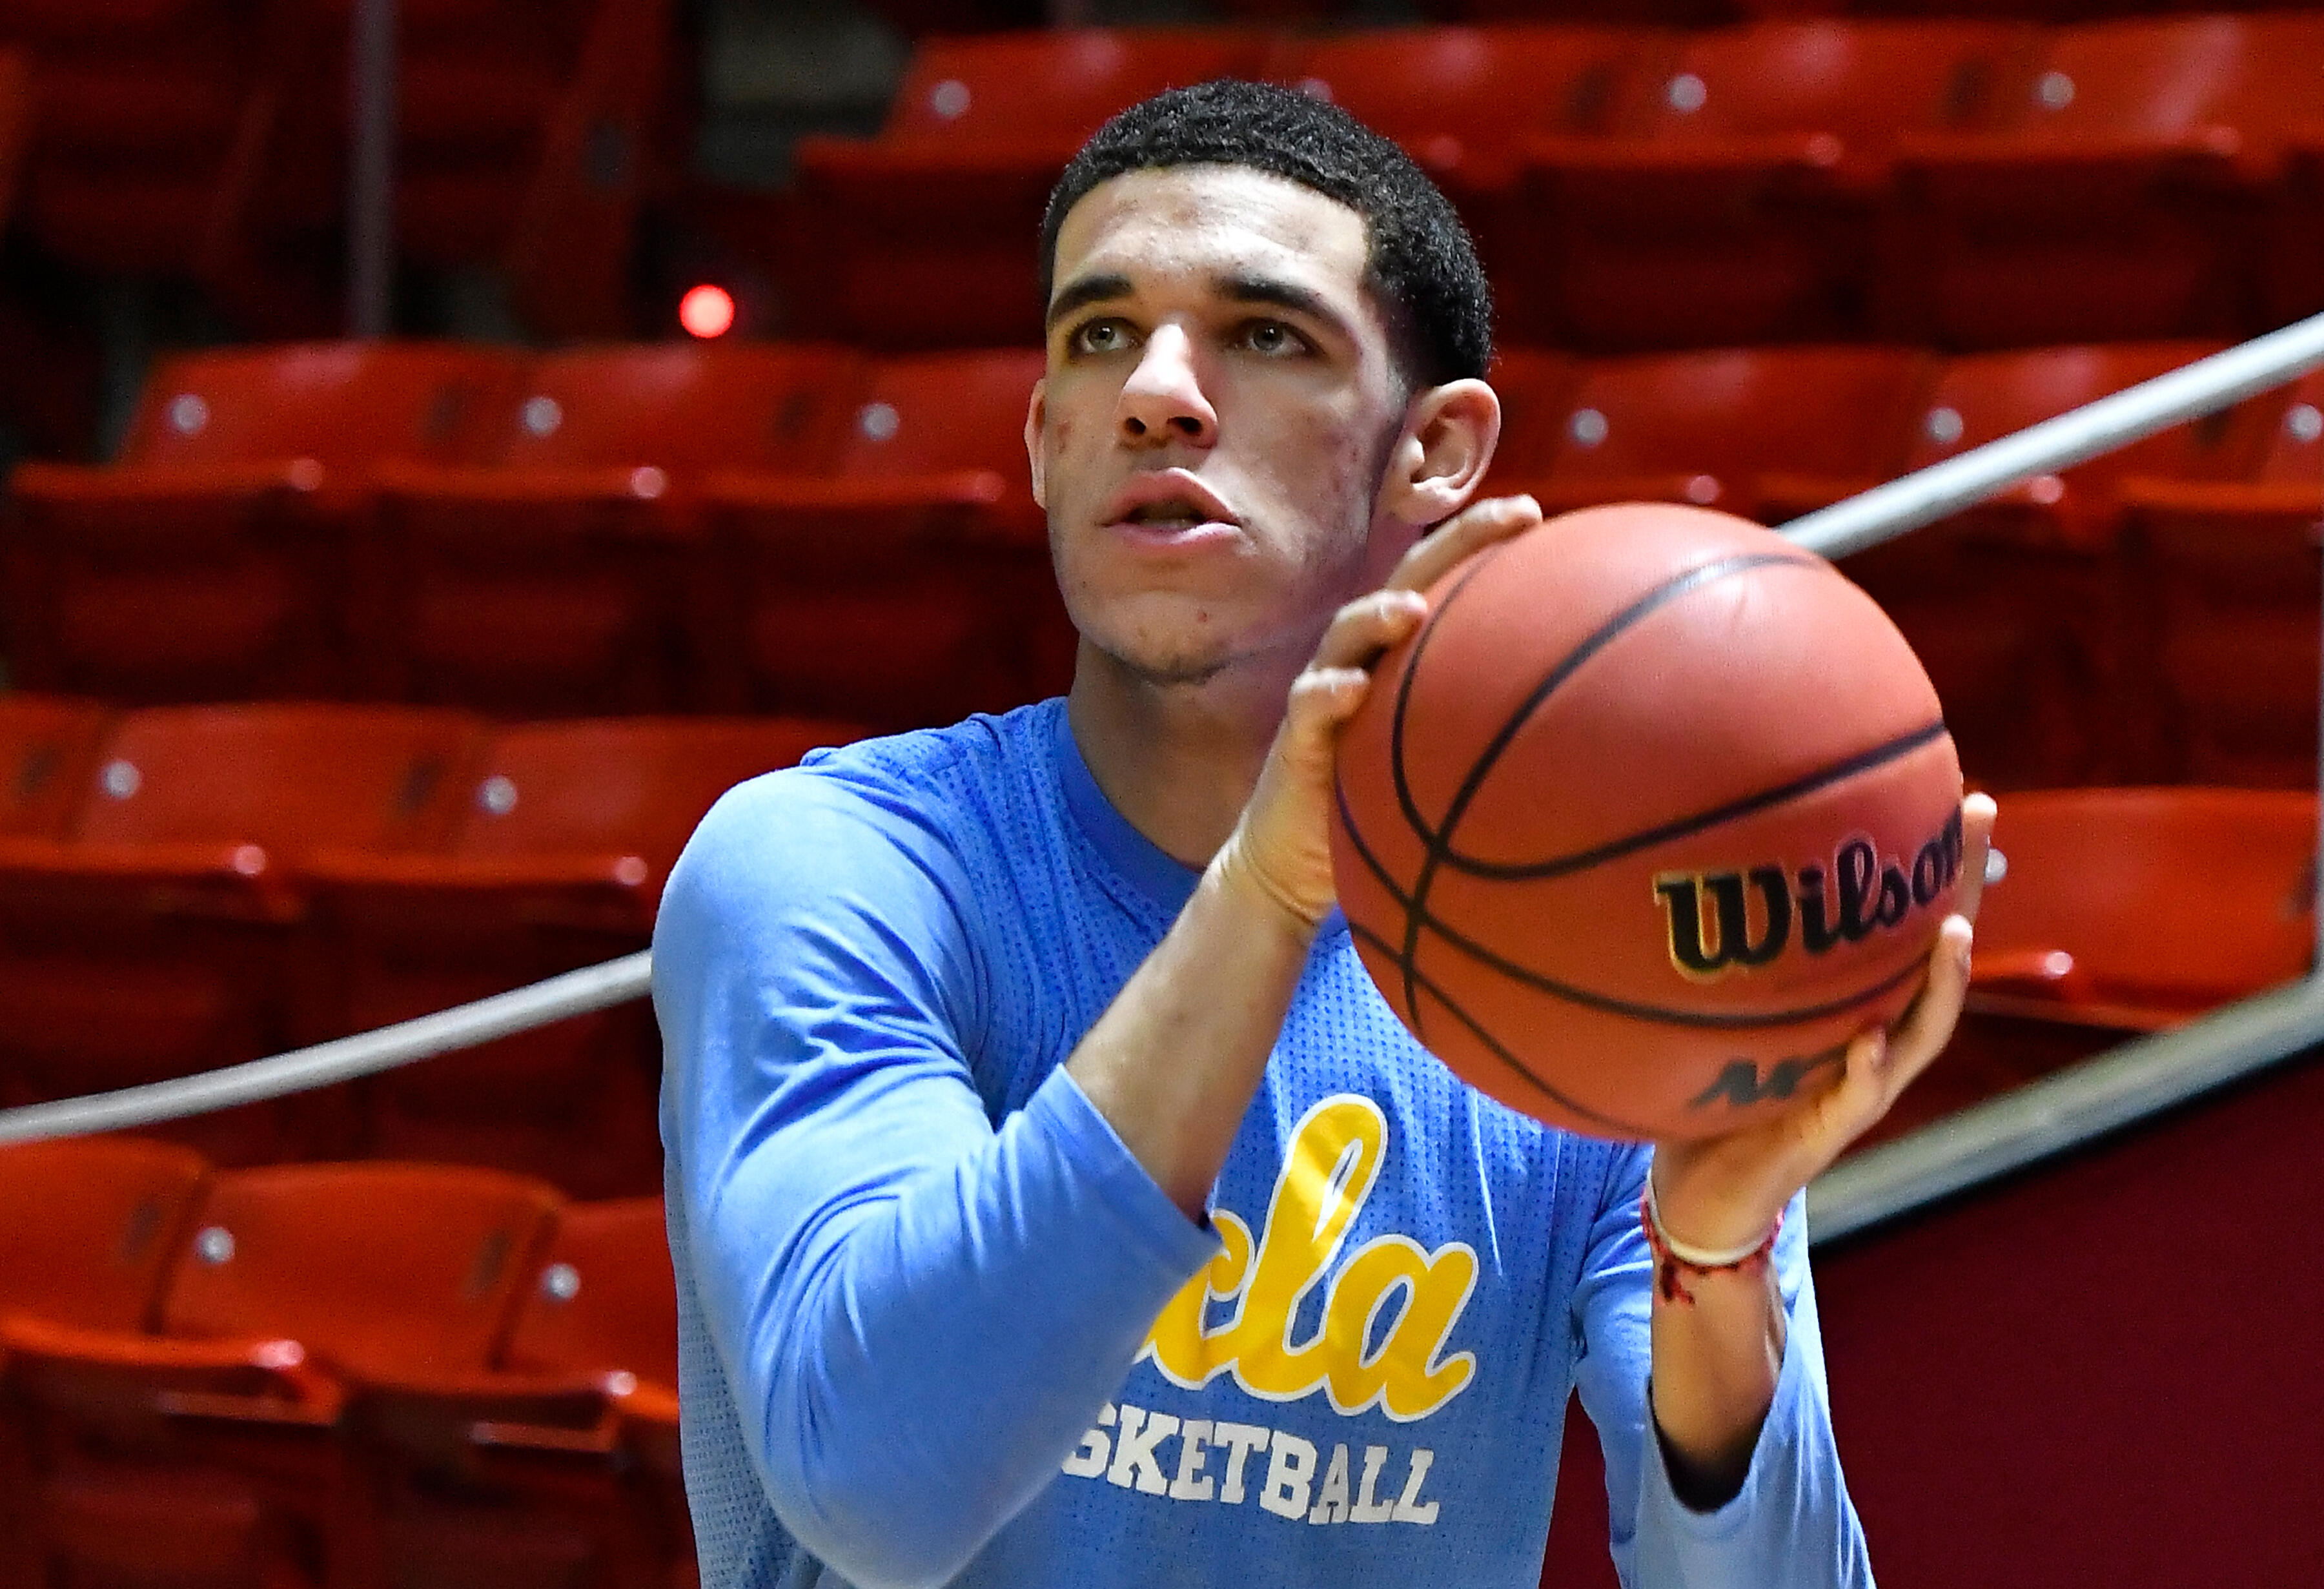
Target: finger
1321,700
1369,625
1466,532
1977,813
1861,1098
1914,1044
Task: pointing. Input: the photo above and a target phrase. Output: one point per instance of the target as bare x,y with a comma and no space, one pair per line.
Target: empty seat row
208,139
797,528
329,1374
654,527
182,888
1969,182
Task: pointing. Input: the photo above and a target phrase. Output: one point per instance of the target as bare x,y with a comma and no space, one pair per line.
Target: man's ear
1450,432
1035,411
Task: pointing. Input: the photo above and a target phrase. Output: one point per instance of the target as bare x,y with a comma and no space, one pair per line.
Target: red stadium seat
1704,428
2113,203
569,832
927,235
209,561
1738,202
523,143
149,132
567,575
1463,99
2137,909
2291,251
605,1300
2233,572
15,122
2124,912
215,1454
158,938
1533,386
2020,608
913,585
519,1471
91,1226
47,748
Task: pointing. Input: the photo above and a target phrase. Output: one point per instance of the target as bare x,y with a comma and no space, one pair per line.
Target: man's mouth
1169,514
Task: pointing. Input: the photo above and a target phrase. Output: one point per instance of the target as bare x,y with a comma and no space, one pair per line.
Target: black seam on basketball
1627,1128
1903,744
1404,796
1439,843
1653,1015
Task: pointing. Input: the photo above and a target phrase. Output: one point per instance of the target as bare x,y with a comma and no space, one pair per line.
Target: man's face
1221,402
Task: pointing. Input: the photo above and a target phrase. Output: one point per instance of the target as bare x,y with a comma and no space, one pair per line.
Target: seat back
603,1297
1729,414
2294,452
633,786
1478,87
289,778
48,746
377,1268
1984,397
1862,82
341,403
2143,79
679,407
2192,896
90,1225
934,413
1533,386
1055,86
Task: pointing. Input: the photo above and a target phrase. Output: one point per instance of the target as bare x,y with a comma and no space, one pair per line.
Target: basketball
1653,814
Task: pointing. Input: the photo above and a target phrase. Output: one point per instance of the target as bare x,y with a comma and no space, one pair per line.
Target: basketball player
1055,1201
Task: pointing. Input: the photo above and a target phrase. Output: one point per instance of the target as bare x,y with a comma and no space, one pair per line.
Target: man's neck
1178,761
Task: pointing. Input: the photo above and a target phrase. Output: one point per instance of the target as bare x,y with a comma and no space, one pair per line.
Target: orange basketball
1654,814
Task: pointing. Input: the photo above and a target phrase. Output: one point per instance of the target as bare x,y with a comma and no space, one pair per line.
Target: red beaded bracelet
1673,1259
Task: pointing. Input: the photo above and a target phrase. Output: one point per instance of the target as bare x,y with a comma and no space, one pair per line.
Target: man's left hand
1725,1192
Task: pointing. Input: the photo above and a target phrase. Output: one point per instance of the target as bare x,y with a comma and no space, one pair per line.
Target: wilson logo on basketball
1715,927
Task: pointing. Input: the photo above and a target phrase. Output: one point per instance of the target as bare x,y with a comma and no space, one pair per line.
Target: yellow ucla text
1328,1171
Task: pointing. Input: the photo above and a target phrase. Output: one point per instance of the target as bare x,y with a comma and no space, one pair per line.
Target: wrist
1247,883
1680,1264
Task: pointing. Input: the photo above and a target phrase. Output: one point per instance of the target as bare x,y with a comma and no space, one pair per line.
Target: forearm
1716,1359
926,1360
1173,1062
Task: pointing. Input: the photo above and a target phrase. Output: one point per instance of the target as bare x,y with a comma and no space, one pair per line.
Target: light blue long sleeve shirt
938,1327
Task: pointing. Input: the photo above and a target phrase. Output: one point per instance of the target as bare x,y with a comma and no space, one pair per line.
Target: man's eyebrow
1284,294
1084,290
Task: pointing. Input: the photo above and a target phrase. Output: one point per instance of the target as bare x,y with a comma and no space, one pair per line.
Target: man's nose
1162,402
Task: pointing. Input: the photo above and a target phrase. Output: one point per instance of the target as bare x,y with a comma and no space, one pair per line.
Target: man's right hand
1282,844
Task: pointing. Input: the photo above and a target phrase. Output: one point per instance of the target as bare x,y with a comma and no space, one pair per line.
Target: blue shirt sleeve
919,1312
1792,1523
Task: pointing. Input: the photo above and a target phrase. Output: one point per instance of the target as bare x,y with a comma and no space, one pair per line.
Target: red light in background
707,312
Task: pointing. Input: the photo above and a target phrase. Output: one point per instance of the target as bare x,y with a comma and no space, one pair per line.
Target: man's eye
1102,337
1272,336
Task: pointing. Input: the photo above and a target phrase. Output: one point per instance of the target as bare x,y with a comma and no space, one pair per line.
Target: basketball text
1226,1464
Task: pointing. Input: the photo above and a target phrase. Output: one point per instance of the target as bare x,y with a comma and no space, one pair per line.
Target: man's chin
1159,669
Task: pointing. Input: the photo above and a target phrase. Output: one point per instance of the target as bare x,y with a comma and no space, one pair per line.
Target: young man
1054,1199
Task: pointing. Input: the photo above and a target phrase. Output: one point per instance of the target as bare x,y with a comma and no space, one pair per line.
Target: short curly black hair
1422,264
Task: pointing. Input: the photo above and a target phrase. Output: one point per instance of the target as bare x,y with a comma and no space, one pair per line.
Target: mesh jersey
937,1325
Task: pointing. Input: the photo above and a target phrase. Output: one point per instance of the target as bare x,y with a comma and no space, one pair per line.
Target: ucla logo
1722,921
1327,1174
